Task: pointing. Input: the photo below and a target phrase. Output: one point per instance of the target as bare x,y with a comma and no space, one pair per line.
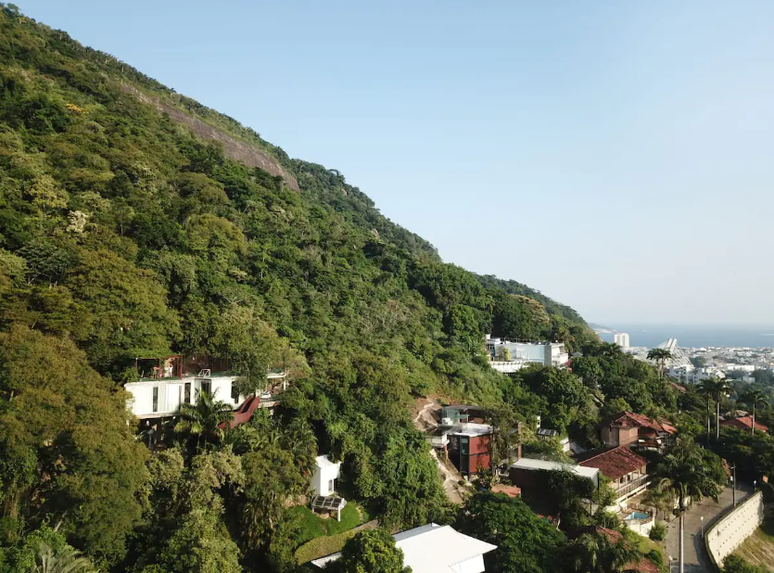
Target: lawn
758,549
313,527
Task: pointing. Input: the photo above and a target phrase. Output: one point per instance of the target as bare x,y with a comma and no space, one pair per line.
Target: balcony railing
630,486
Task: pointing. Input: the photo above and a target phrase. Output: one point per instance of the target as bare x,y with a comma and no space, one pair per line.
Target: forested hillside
137,222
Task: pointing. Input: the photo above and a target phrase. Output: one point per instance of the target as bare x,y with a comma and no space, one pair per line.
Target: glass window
155,399
207,387
234,392
330,485
187,393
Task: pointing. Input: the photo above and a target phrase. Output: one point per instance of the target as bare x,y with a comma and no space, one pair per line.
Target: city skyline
616,158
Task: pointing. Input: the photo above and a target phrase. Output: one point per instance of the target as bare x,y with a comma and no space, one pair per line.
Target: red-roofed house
626,470
744,423
630,429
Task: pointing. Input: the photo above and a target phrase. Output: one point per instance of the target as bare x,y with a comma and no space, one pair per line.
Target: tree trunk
752,430
717,421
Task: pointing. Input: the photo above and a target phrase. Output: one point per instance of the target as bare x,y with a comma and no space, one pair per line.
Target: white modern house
158,397
325,475
435,548
506,356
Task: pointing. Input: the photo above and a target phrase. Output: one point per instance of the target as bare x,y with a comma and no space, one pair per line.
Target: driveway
696,560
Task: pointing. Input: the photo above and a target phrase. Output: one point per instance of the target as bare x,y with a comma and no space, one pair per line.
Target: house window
187,393
234,392
155,399
207,387
330,485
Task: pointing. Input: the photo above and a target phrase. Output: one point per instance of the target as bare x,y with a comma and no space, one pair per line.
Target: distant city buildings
622,339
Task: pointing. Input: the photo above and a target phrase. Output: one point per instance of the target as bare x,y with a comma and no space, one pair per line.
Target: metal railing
629,487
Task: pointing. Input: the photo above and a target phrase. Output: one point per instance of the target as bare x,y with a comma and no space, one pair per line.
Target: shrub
659,531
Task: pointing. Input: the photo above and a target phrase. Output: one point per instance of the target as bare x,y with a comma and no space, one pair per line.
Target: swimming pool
637,515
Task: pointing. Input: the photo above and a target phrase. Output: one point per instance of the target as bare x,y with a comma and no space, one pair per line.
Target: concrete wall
729,533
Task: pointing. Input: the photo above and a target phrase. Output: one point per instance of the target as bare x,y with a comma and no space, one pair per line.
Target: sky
616,156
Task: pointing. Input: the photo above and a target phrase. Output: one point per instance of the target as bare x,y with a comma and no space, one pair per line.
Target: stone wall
728,533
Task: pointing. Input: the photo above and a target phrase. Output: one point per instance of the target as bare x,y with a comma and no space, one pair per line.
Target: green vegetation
124,233
756,554
658,531
370,551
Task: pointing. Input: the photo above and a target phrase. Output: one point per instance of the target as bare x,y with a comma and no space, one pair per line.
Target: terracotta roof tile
633,420
615,463
744,423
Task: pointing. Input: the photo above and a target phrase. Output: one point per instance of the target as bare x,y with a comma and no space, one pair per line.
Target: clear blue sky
618,156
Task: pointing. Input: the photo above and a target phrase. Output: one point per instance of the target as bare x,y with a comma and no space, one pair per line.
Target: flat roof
432,548
548,465
472,429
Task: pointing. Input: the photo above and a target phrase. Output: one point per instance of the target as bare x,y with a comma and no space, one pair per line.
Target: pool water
637,515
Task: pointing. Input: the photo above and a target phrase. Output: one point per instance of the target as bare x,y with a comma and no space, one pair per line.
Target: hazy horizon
614,156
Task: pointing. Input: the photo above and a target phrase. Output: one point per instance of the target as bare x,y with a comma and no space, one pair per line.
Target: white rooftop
432,548
533,464
324,462
472,429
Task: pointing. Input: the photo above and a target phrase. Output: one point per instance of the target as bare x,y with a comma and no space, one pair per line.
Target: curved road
696,560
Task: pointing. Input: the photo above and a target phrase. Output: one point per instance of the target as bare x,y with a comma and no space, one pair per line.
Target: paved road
695,555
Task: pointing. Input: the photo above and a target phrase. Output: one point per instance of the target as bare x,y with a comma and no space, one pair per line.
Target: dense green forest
126,231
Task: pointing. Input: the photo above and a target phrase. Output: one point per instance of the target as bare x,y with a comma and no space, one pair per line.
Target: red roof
744,423
632,420
509,490
615,463
678,387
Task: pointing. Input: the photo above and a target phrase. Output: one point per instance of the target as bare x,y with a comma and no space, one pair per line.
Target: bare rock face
233,147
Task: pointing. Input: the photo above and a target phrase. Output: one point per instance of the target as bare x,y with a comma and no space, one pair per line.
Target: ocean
695,336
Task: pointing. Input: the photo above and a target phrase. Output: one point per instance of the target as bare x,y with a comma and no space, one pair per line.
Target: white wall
323,476
172,394
729,533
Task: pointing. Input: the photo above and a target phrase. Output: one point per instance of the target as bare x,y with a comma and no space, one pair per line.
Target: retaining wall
728,533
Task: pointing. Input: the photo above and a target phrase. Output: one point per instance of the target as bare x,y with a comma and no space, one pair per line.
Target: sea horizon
693,336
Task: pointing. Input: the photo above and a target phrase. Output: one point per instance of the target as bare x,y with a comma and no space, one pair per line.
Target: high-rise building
622,339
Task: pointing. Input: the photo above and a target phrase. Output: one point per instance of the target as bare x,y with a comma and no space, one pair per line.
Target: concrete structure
622,339
506,356
727,534
325,475
435,548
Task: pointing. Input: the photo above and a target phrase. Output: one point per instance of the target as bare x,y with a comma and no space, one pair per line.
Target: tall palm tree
716,388
64,560
686,473
660,356
706,389
754,398
204,419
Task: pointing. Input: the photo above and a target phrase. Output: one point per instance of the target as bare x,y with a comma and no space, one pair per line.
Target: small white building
435,548
325,475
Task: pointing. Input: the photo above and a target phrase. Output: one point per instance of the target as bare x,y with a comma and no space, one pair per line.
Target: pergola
329,503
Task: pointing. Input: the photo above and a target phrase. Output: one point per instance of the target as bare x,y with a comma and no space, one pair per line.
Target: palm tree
660,356
205,418
754,398
600,553
716,388
685,473
65,560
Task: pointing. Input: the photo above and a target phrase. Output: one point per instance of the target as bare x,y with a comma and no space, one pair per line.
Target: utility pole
681,565
733,487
